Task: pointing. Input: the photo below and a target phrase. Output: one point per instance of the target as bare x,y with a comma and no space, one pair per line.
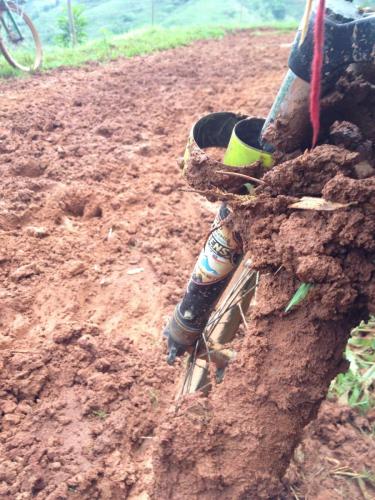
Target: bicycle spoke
234,298
246,283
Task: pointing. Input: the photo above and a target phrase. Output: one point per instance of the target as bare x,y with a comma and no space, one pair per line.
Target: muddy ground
98,235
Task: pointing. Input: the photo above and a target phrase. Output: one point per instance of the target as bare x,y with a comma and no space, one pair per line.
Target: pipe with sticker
222,251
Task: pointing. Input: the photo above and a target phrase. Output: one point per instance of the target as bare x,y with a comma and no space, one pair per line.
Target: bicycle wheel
220,330
19,40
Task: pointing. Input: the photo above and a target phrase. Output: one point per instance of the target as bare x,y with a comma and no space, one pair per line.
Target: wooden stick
305,21
243,176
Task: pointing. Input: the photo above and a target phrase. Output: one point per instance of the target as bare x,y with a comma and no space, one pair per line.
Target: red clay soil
97,240
249,426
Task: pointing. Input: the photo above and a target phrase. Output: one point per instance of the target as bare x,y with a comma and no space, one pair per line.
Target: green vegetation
299,296
363,479
109,29
277,9
138,42
356,387
120,16
100,414
154,398
63,38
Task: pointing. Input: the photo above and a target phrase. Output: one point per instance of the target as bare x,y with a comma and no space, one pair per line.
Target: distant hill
119,16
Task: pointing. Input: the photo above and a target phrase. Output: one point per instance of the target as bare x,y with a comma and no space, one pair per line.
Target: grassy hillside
138,42
120,16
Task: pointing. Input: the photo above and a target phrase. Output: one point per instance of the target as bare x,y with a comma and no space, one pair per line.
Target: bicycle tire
37,62
223,333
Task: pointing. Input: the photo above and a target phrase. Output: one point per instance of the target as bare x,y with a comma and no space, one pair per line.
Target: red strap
316,71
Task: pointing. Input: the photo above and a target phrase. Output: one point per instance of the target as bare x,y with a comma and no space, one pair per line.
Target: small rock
38,232
68,225
105,281
87,343
11,419
53,125
64,420
38,484
29,168
25,271
5,341
362,423
66,334
55,466
8,406
299,455
59,405
102,365
144,150
156,261
346,134
104,131
61,152
364,170
8,471
137,270
75,268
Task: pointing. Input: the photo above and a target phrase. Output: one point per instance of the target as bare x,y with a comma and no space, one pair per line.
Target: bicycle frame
4,8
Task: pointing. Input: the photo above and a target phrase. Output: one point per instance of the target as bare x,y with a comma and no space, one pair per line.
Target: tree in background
72,30
271,8
72,26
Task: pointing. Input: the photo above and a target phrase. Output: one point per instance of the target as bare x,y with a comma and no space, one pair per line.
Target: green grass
299,296
120,16
356,387
100,414
110,47
138,42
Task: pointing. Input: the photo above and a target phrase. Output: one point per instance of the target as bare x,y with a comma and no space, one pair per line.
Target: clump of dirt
246,430
205,172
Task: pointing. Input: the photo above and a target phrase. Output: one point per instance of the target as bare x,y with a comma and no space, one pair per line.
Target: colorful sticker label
218,257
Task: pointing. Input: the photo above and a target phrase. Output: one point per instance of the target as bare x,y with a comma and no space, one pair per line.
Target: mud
345,448
98,237
97,403
249,426
206,174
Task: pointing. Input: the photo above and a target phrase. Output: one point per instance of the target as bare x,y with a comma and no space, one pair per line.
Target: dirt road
97,240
